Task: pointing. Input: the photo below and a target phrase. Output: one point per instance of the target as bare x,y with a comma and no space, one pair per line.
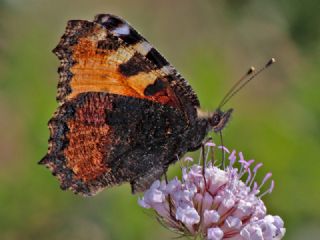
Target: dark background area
212,43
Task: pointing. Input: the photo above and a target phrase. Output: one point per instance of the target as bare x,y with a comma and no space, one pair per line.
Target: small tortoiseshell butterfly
125,114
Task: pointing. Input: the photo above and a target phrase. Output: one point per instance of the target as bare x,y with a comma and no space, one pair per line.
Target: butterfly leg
144,181
169,196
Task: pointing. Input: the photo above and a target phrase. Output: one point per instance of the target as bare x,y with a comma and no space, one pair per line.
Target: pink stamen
269,190
232,155
249,176
257,167
232,158
255,187
210,144
241,156
224,149
268,175
250,162
188,159
243,171
253,177
243,163
271,187
244,166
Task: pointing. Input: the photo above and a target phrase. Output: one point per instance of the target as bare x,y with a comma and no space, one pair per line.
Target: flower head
215,203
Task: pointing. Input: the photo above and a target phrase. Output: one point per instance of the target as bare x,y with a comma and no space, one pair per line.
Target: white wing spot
104,19
143,47
167,69
122,30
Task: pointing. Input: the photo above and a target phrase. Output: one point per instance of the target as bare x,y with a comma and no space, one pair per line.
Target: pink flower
216,203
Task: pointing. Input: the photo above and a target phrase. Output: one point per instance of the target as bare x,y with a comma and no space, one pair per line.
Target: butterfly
124,115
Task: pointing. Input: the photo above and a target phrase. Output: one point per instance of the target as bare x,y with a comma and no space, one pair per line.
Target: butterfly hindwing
90,146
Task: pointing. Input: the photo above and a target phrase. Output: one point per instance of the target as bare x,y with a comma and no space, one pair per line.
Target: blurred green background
276,118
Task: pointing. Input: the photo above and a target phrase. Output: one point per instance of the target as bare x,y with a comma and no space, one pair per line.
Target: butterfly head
219,119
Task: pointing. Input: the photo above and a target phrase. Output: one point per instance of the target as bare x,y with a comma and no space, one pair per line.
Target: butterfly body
125,114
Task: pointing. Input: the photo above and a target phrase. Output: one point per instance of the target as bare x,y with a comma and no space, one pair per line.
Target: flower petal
187,215
215,233
210,216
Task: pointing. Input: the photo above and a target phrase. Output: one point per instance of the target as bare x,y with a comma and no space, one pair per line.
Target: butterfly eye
219,119
215,120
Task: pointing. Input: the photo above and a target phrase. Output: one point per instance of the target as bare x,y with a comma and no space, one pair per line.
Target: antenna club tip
251,70
270,62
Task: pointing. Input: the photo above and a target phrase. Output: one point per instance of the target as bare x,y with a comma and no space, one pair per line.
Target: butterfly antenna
247,74
234,90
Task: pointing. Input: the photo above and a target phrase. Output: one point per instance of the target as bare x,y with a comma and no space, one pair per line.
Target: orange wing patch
88,137
97,70
85,150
